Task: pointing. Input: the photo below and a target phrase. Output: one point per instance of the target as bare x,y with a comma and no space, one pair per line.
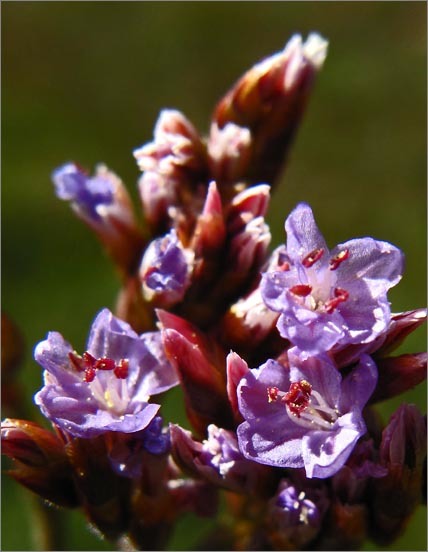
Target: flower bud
173,164
166,270
270,99
399,374
248,323
218,460
41,463
236,369
294,517
176,144
158,194
199,362
210,231
229,153
247,205
103,203
402,324
403,453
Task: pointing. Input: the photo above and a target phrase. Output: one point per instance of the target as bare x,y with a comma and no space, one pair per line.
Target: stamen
305,406
340,295
272,393
105,364
89,359
300,420
89,364
338,259
314,417
298,396
301,290
89,374
121,369
312,257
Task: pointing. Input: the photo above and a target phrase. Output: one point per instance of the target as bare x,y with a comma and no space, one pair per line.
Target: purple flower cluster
279,356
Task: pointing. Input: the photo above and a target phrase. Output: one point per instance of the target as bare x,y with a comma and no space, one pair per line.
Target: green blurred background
85,81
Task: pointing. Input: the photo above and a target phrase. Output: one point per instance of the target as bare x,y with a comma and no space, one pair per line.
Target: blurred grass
85,81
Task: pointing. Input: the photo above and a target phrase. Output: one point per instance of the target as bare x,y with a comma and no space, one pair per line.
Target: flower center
320,293
89,364
106,379
304,406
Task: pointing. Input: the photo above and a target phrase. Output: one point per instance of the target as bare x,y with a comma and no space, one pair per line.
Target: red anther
77,361
298,396
89,374
312,257
89,359
272,393
105,364
338,259
121,370
340,295
302,290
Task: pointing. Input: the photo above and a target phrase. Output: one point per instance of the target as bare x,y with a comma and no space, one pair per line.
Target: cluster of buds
280,355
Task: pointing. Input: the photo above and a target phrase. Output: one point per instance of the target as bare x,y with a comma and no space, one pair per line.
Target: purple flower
95,199
295,507
217,459
88,194
330,298
107,388
295,515
103,203
220,450
166,269
305,416
292,508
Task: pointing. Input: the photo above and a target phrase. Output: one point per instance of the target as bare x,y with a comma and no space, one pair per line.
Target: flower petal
303,235
311,332
319,371
378,263
52,354
359,385
267,447
324,453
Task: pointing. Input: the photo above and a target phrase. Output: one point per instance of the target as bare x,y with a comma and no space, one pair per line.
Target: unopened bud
41,463
270,100
200,363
